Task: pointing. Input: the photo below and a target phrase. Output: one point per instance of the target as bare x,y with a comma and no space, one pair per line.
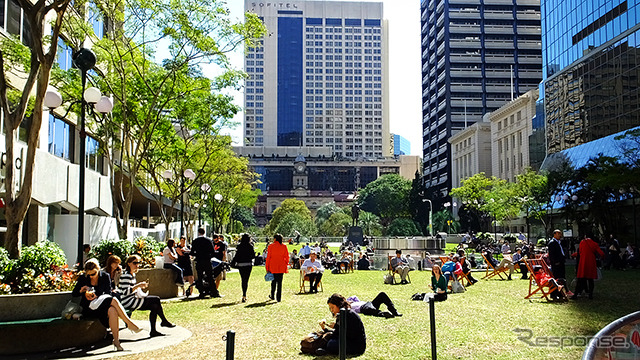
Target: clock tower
300,176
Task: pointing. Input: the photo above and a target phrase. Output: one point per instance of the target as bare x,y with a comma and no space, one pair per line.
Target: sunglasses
92,274
136,262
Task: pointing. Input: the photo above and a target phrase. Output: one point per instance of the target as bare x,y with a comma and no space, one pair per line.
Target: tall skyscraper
319,78
591,65
476,57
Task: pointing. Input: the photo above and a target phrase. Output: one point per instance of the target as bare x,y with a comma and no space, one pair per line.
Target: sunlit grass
475,325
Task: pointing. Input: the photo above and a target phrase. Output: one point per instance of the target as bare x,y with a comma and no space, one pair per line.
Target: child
542,279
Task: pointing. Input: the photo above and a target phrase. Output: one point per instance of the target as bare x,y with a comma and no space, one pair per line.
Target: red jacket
587,262
277,258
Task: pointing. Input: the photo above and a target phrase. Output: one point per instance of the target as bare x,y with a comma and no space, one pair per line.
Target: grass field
478,324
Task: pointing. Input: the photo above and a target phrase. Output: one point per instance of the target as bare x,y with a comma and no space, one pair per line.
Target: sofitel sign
277,5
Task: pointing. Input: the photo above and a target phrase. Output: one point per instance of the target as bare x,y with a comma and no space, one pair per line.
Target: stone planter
21,307
161,282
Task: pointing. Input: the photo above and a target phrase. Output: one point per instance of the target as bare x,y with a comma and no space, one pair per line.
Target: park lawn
478,324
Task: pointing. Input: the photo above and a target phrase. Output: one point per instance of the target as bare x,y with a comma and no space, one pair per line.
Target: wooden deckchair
544,289
462,276
491,270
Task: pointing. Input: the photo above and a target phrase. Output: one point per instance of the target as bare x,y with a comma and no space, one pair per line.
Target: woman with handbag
133,298
243,260
96,302
277,264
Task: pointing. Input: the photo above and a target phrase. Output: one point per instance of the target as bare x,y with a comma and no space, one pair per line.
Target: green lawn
475,325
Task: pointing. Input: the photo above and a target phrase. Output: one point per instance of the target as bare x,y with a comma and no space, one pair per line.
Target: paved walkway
132,344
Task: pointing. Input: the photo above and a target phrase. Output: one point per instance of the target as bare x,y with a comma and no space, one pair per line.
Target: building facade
400,145
476,56
591,87
511,128
319,78
471,152
315,176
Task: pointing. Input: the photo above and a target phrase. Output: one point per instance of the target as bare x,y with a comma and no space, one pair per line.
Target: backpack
457,287
388,279
449,267
314,341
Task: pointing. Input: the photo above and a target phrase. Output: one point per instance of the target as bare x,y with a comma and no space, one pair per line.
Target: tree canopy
386,197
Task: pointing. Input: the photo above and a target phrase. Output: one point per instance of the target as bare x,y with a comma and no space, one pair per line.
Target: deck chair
443,259
492,271
305,282
546,289
393,273
462,277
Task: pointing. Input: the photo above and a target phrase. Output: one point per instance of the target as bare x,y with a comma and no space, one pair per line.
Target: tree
292,222
370,224
325,211
336,225
244,215
474,193
403,227
20,104
387,197
152,97
531,192
288,206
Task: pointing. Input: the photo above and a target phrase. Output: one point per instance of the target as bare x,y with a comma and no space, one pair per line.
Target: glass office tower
477,55
591,66
319,78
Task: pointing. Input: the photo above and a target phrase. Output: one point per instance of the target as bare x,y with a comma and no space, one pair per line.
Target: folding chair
443,259
304,278
462,276
393,273
546,289
491,270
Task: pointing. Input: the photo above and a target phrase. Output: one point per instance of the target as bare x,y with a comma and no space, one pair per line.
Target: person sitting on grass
364,263
356,337
438,283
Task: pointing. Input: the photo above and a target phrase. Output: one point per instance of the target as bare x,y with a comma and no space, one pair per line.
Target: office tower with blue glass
477,55
591,65
401,146
319,78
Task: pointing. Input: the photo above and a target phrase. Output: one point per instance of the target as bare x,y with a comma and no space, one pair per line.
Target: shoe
509,277
136,330
117,346
217,295
167,324
155,334
395,313
244,299
201,296
386,314
321,351
270,297
188,293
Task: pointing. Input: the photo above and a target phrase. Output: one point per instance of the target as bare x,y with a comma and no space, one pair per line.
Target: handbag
457,288
70,310
268,277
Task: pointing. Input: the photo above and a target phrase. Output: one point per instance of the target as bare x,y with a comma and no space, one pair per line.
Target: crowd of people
110,293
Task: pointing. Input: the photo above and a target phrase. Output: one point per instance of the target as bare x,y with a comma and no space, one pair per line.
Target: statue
355,214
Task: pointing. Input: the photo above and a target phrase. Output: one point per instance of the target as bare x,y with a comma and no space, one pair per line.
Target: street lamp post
84,59
430,226
205,194
218,198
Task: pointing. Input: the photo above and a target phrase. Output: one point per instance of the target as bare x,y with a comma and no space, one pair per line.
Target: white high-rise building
319,78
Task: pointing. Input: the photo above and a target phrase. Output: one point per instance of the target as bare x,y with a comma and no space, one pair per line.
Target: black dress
184,261
103,287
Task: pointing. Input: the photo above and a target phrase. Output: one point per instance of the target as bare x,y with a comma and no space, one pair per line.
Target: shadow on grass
216,306
260,304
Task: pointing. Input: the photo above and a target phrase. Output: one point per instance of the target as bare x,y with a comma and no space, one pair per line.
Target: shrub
403,227
510,238
106,248
148,248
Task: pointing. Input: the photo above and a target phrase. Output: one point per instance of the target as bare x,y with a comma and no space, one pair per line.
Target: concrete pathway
132,344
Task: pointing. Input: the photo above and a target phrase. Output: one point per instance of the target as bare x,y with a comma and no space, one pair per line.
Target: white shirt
307,264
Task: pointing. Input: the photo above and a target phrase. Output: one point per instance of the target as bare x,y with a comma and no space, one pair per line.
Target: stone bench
31,336
162,282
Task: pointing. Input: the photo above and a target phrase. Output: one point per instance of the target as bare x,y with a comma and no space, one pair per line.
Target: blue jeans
178,270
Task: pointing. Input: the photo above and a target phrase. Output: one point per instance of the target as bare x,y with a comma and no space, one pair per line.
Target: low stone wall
20,307
162,282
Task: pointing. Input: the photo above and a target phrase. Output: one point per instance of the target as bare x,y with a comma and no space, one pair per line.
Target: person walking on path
243,260
587,269
277,264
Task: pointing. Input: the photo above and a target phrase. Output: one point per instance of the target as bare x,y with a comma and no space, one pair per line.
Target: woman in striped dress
128,288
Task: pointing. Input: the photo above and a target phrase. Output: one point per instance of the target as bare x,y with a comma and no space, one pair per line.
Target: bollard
230,338
432,320
343,334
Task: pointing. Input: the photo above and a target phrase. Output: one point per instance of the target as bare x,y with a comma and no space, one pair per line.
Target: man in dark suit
556,255
202,251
